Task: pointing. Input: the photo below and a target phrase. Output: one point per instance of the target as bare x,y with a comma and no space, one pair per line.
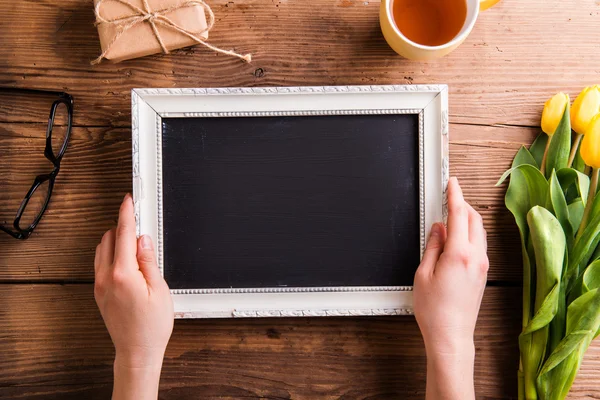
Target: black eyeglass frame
55,159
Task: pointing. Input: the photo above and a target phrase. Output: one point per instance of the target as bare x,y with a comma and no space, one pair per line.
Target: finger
478,239
434,249
477,235
105,251
458,217
126,241
98,259
486,245
147,260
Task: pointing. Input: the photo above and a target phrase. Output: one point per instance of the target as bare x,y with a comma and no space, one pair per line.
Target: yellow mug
415,51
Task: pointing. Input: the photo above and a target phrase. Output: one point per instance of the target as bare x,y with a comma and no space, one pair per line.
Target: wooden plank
53,342
96,173
54,345
495,76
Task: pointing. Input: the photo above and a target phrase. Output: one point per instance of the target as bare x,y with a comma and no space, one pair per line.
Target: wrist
133,359
449,348
135,382
450,372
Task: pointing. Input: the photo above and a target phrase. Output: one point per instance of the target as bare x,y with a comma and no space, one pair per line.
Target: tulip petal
584,108
590,145
553,112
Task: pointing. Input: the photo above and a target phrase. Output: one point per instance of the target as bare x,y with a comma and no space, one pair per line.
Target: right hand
450,281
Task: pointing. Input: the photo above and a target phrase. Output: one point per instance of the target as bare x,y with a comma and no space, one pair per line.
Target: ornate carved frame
149,106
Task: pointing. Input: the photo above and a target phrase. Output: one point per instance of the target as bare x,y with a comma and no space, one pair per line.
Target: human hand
135,303
448,289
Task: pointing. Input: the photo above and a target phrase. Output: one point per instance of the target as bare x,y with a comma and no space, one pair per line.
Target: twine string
158,17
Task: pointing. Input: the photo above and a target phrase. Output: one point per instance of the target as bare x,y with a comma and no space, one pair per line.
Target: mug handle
485,4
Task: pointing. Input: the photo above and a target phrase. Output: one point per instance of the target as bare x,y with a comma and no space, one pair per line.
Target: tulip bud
553,112
584,108
590,146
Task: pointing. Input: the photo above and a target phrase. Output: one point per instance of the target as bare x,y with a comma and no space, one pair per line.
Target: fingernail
146,242
435,230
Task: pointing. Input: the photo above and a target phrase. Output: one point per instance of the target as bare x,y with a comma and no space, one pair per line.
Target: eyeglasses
36,200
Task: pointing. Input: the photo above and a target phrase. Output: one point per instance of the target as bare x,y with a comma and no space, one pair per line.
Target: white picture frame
149,106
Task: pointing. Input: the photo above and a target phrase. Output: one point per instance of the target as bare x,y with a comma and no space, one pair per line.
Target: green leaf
571,193
568,177
534,338
538,147
595,211
591,281
560,369
578,162
591,277
582,251
558,323
527,188
523,156
520,197
549,246
560,145
576,213
556,203
534,187
544,314
586,281
596,254
579,311
558,372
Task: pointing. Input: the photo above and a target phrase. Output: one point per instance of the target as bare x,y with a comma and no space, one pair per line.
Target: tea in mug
429,22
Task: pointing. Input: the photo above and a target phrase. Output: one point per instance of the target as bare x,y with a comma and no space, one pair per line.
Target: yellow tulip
553,112
590,152
584,108
590,146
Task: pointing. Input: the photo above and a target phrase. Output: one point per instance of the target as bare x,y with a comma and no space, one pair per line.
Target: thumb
146,260
435,247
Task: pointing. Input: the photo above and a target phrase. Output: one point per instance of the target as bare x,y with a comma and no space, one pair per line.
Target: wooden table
53,343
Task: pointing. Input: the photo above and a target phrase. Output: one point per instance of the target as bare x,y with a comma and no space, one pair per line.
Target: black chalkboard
290,201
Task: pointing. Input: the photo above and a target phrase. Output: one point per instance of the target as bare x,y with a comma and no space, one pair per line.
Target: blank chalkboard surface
290,201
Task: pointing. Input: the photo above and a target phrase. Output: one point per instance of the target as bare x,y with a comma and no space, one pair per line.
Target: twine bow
158,17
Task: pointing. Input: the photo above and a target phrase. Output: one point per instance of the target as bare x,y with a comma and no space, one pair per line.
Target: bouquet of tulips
552,195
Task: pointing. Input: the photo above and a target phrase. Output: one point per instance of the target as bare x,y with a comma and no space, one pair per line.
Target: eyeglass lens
59,129
35,206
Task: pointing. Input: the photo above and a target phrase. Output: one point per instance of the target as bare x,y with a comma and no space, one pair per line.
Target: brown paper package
139,40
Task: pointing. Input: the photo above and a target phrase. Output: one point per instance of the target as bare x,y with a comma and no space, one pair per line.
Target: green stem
574,148
526,346
543,166
521,383
589,204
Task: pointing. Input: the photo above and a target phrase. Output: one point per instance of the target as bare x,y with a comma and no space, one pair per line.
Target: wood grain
495,77
53,343
55,346
96,173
